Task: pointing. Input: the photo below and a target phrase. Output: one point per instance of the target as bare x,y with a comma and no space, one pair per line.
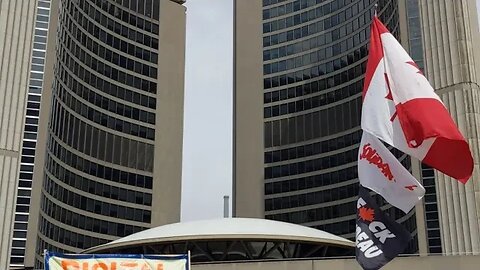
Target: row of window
319,180
91,59
271,2
98,170
126,15
316,214
312,198
313,125
312,165
294,6
94,206
324,163
317,71
93,20
116,75
339,228
148,8
326,38
322,69
103,69
100,144
65,237
431,210
93,97
329,97
85,222
354,39
104,119
313,148
30,147
344,13
340,210
355,25
98,188
310,103
99,85
119,44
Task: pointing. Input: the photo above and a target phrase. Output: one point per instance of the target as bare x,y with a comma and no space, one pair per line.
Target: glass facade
29,140
98,173
315,54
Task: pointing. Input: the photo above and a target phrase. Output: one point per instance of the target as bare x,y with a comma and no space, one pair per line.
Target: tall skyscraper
314,59
309,87
108,160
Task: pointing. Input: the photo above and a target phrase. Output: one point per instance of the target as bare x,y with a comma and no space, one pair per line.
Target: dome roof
225,229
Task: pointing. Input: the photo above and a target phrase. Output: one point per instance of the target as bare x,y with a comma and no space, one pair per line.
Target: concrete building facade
450,35
108,162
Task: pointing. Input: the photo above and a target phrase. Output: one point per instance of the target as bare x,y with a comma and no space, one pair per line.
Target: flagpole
375,10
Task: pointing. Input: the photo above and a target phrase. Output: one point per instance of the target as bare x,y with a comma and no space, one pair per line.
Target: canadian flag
380,171
401,108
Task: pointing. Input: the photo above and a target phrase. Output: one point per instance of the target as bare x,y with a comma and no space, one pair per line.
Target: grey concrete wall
452,58
411,263
248,146
16,33
167,178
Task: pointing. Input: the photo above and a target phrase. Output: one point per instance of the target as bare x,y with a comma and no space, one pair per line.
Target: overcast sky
478,10
207,154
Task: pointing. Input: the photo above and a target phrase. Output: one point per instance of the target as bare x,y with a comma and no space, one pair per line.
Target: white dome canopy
224,229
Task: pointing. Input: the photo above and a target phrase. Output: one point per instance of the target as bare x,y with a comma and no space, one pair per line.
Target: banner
58,261
380,171
379,239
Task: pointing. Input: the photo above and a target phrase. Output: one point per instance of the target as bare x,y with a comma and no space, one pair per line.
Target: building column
450,32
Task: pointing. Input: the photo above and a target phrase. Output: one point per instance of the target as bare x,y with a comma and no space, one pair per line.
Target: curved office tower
111,158
314,60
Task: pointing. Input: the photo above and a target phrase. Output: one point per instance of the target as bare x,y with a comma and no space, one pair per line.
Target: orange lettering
101,266
129,264
70,265
160,266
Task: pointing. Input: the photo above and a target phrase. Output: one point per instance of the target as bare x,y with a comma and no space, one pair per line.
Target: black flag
379,238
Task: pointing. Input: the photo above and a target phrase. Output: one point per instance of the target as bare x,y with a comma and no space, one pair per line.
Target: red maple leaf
413,64
367,214
389,95
411,187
